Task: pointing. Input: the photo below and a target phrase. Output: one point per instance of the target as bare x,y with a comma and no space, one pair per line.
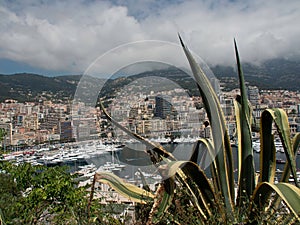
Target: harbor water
135,159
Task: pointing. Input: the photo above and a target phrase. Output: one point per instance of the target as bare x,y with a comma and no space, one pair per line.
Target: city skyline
65,37
41,122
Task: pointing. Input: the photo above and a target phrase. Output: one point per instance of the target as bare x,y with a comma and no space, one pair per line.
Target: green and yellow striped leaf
127,190
207,157
267,161
222,148
202,193
268,151
163,200
289,193
295,145
144,181
286,172
243,121
150,145
245,157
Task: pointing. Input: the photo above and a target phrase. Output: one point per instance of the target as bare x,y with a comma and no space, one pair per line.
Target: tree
39,194
35,194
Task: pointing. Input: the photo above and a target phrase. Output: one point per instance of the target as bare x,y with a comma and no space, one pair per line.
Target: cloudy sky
65,37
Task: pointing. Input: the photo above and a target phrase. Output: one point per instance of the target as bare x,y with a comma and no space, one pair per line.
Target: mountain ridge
273,74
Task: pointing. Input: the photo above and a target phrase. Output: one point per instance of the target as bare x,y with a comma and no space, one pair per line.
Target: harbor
126,159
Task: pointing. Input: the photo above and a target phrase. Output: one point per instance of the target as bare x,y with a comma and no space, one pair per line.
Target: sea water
135,159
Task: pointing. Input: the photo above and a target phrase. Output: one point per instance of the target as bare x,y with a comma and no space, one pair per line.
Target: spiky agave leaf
127,190
267,145
163,199
206,147
242,159
207,155
202,193
196,152
243,121
144,181
295,145
153,146
222,148
286,172
268,151
289,193
193,179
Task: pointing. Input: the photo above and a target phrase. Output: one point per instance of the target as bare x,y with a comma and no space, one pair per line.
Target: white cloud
69,35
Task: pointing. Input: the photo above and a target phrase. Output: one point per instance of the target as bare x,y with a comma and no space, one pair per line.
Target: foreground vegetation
186,190
41,195
36,195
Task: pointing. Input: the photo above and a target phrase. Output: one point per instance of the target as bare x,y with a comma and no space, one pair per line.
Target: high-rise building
253,95
7,129
163,107
65,130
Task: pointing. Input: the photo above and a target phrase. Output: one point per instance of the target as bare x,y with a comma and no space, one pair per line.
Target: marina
126,160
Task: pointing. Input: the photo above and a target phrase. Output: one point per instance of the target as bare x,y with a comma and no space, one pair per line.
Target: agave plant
221,200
